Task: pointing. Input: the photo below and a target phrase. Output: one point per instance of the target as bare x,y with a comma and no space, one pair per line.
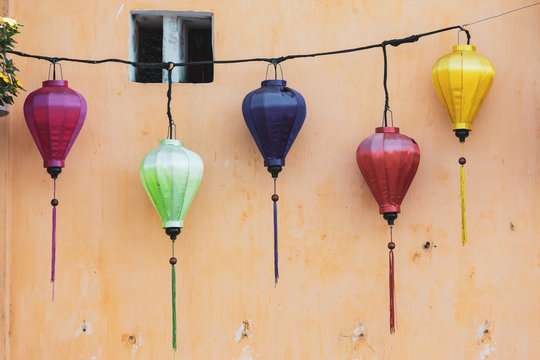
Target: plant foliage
9,84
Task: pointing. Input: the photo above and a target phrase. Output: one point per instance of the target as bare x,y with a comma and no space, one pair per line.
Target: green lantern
171,175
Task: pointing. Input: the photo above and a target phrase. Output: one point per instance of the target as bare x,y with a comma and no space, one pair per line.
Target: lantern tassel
391,246
54,203
462,162
275,198
173,278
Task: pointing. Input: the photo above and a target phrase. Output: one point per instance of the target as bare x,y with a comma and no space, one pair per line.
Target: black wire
169,98
386,102
163,65
274,61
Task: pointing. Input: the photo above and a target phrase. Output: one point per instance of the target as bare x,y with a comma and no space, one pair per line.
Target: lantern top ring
387,129
173,142
463,48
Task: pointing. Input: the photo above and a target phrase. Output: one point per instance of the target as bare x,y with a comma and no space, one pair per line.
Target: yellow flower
4,77
18,83
10,22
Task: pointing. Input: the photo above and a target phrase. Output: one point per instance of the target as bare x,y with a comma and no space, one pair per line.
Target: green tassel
173,273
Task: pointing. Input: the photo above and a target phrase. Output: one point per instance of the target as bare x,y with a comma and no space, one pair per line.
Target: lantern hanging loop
53,64
169,98
276,64
462,29
386,96
384,123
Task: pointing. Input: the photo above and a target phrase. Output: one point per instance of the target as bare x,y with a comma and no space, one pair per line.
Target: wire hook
384,121
275,64
53,63
462,29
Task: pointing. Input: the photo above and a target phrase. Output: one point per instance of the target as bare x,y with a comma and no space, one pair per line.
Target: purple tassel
275,198
54,203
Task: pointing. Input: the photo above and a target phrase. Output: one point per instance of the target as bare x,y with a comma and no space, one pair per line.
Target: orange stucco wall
113,274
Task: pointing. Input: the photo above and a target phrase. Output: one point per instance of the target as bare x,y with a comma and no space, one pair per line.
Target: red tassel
391,246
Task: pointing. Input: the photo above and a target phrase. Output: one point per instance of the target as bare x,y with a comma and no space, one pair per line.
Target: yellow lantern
462,80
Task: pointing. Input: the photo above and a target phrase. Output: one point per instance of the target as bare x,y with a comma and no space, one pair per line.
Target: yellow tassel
462,192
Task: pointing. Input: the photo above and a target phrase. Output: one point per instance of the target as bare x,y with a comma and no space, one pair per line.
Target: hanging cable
386,97
274,60
502,14
169,98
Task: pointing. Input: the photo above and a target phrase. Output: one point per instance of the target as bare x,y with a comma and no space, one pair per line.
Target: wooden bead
173,261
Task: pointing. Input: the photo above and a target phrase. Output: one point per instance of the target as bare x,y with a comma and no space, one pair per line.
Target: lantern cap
173,142
461,134
390,217
273,83
173,232
55,83
464,47
274,170
54,171
387,129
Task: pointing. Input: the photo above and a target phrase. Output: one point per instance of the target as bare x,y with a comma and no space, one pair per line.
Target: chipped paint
482,330
243,331
358,333
85,328
486,351
246,354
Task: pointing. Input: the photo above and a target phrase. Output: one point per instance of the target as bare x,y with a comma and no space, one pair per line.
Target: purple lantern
55,115
274,114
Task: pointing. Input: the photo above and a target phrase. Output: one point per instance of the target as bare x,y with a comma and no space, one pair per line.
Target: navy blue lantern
274,114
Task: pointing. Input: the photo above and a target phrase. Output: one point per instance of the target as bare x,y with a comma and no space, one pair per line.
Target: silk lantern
388,162
462,80
55,115
274,115
171,175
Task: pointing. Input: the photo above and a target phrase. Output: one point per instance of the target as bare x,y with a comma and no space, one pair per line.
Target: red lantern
55,115
388,161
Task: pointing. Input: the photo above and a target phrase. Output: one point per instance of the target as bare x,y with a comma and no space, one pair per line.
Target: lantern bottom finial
54,171
462,134
173,232
390,217
274,170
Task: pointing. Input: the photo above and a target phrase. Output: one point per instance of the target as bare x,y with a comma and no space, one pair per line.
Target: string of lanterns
274,115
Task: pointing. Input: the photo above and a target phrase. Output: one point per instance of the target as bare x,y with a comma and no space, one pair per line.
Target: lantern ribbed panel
462,80
171,176
55,115
274,114
388,162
